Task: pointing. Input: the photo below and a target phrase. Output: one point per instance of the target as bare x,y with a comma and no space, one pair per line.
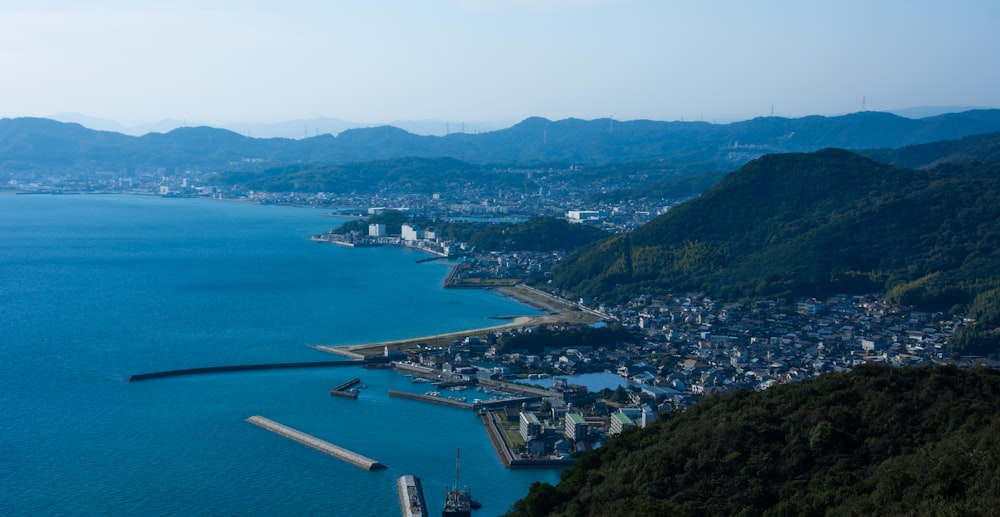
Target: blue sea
96,288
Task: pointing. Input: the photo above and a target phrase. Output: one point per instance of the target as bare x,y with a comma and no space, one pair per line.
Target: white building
575,426
530,426
409,233
376,230
584,215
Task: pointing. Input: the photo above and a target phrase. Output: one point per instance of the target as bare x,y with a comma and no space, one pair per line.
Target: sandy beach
557,311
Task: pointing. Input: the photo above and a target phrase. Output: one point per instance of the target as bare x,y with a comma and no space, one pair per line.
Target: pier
411,496
341,351
342,390
430,398
323,446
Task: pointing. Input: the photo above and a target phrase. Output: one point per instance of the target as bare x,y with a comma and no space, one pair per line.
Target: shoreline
556,311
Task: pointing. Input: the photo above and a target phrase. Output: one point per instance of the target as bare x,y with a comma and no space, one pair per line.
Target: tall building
530,426
575,426
410,233
620,422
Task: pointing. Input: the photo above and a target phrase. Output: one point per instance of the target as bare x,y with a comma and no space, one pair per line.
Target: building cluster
527,192
690,346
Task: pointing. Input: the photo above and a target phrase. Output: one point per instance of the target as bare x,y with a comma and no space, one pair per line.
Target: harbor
321,445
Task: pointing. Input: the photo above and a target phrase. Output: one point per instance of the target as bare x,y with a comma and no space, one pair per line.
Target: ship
458,500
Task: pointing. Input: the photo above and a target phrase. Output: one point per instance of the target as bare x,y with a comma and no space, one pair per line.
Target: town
687,347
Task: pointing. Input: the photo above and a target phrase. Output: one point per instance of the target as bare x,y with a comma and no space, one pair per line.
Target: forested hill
875,441
977,148
812,225
42,143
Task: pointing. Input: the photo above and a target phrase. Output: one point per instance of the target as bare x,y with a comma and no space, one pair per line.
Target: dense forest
417,175
875,441
976,148
813,225
542,338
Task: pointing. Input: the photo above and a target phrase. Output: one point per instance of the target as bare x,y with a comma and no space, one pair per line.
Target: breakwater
430,398
496,438
342,390
411,496
508,402
239,368
321,445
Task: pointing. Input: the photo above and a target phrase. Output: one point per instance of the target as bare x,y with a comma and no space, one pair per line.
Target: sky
377,61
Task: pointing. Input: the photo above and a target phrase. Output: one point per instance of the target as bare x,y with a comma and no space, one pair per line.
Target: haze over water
95,288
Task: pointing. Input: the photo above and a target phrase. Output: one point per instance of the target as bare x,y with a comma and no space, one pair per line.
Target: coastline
557,311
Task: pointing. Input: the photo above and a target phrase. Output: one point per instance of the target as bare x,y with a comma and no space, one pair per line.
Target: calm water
94,288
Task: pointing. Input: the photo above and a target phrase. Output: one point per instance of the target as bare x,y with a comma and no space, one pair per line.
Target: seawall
411,496
430,398
307,439
342,390
239,368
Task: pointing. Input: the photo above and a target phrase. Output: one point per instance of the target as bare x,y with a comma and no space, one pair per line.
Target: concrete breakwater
239,368
307,439
508,402
431,398
344,390
411,496
496,439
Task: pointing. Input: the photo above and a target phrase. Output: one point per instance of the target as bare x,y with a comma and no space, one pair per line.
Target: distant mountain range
305,128
294,129
40,144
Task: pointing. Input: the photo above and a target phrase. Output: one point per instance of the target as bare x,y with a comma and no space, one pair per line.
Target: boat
458,500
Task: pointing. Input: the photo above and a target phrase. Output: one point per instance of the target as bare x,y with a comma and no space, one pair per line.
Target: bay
95,288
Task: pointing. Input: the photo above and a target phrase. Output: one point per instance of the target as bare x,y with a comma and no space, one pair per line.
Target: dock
411,496
430,398
323,446
342,390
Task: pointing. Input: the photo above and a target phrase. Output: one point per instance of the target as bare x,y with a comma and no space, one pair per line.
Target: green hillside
812,225
875,441
981,148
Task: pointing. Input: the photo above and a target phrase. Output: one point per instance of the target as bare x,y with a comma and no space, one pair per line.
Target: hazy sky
493,60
